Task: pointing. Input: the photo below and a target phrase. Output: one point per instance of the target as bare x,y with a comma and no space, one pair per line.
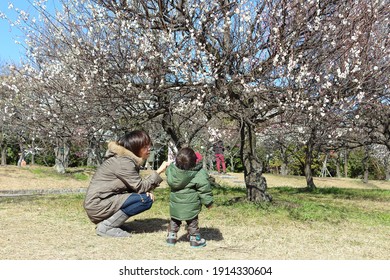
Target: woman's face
145,151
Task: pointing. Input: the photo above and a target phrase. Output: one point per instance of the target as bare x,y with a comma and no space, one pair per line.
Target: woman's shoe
111,226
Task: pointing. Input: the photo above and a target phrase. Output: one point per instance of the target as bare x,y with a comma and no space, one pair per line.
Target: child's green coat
189,190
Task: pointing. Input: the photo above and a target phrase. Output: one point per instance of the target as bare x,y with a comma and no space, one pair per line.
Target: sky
9,50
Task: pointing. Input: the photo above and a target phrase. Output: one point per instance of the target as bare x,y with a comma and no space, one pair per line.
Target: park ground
42,218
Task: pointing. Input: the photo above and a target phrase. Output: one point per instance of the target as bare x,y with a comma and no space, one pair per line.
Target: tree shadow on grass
146,225
156,225
206,233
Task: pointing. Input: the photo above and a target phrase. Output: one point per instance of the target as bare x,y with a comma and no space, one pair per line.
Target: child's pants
192,225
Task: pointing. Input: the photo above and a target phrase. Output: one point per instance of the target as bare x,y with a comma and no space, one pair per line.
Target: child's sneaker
171,238
196,241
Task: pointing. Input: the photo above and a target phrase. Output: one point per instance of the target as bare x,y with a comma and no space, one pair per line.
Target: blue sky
9,50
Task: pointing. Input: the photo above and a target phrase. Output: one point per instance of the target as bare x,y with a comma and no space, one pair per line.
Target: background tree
104,66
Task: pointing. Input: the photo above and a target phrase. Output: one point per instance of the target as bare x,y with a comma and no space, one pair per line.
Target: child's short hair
186,159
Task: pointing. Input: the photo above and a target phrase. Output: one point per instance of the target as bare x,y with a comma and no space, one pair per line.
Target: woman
117,190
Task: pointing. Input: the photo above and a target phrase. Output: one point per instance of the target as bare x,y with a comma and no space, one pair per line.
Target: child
190,188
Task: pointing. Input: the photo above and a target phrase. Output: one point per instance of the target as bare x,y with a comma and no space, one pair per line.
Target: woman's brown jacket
114,181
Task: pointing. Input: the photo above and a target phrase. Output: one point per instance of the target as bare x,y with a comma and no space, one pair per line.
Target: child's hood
178,179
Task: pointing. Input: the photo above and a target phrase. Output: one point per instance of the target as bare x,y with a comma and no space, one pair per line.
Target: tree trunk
284,169
365,166
232,163
308,162
338,173
256,185
3,154
62,157
21,155
169,128
346,164
365,179
387,168
284,165
324,169
32,162
94,155
337,163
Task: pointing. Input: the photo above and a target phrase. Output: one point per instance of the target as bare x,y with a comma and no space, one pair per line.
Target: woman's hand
151,195
163,167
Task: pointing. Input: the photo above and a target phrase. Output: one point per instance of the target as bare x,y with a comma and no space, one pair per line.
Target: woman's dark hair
134,141
186,159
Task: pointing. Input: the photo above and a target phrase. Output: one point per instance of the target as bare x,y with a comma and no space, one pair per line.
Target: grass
231,223
81,174
323,205
35,178
334,205
329,223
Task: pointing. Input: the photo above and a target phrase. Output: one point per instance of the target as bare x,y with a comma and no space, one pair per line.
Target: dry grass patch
237,179
13,178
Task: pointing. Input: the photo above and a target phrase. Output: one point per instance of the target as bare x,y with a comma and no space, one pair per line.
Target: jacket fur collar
117,150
